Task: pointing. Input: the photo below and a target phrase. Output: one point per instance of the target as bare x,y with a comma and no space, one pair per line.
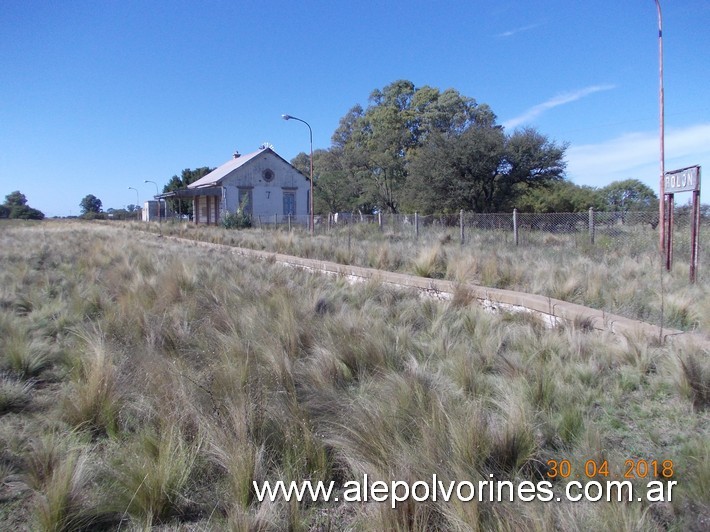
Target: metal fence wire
635,232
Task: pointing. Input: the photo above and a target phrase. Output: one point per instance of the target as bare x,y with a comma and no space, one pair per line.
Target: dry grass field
144,383
621,275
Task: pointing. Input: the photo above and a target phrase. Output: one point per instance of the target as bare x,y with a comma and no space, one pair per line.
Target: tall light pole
662,187
289,117
156,196
138,202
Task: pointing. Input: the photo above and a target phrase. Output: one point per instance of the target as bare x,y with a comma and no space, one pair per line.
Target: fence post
416,225
591,225
379,220
461,225
515,226
289,222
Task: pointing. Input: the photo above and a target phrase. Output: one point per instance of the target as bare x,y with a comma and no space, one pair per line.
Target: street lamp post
289,117
138,201
664,247
156,196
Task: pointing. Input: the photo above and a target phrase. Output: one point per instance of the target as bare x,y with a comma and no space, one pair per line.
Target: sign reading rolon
685,180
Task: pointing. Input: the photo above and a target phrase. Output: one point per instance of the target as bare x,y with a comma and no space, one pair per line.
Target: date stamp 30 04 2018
632,469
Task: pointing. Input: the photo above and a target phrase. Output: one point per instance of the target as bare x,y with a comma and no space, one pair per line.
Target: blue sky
97,96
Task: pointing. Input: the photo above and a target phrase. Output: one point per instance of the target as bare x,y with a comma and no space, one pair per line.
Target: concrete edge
553,311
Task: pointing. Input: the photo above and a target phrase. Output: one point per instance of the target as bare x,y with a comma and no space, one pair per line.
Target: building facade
266,185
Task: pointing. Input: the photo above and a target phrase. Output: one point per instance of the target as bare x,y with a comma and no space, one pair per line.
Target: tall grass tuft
695,377
431,262
94,400
152,475
55,467
27,357
61,502
14,394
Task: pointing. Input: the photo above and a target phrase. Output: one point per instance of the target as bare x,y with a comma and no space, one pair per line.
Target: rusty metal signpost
683,180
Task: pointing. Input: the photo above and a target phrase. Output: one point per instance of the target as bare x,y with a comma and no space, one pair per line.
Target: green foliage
421,149
95,216
90,204
15,199
628,195
238,220
333,191
176,182
15,207
25,212
558,196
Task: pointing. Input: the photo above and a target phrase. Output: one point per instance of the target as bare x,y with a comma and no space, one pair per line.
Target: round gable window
268,175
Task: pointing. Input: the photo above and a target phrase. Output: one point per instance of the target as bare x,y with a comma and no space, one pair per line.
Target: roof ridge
219,173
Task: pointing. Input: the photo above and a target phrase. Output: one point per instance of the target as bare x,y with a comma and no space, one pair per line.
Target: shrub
238,220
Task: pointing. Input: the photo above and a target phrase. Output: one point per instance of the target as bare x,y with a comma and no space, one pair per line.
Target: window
246,193
289,203
268,175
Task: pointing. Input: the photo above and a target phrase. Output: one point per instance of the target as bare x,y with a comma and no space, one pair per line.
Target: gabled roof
215,176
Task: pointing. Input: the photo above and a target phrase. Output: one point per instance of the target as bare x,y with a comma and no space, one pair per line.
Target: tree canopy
629,195
90,204
15,199
15,206
423,149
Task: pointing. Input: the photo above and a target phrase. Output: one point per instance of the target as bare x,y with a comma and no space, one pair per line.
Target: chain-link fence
636,232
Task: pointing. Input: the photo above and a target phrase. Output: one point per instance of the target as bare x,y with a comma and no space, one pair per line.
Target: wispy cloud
515,31
561,99
636,155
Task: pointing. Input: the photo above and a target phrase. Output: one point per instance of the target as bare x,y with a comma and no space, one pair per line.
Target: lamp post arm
310,132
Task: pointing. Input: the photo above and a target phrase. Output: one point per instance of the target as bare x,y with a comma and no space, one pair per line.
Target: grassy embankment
145,383
621,275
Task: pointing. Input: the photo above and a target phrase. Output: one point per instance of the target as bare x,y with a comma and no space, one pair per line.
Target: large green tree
333,191
481,169
377,143
15,199
15,206
90,204
427,150
628,195
559,196
457,171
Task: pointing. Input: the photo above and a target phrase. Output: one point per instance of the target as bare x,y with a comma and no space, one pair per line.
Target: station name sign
684,180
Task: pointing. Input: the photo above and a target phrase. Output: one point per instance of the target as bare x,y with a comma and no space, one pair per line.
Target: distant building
270,187
153,210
